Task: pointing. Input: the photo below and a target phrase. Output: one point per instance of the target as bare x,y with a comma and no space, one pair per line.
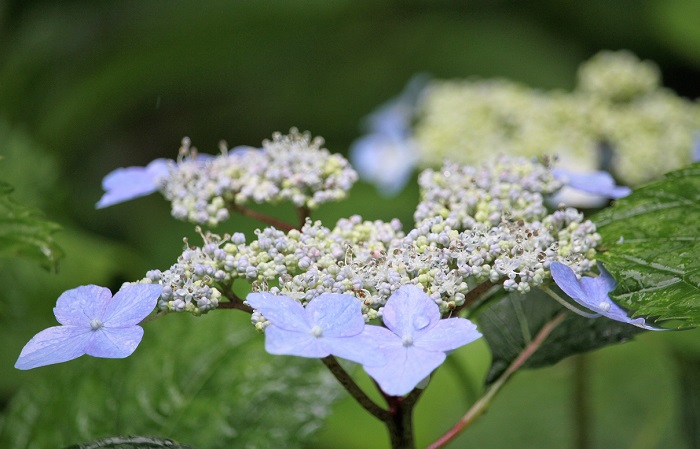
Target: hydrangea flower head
124,184
93,323
592,293
415,340
330,324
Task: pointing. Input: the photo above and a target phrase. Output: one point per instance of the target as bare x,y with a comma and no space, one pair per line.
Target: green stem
400,425
483,403
580,402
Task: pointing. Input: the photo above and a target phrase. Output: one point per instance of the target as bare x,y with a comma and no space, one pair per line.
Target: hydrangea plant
396,300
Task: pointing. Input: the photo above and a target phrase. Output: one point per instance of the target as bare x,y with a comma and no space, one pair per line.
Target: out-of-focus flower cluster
293,167
618,118
472,226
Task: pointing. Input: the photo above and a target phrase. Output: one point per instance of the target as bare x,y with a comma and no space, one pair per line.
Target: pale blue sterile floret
124,184
415,340
596,182
93,323
592,293
330,324
385,160
387,155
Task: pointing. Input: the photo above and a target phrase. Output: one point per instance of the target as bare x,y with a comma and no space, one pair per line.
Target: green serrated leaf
651,243
203,381
511,324
25,232
131,443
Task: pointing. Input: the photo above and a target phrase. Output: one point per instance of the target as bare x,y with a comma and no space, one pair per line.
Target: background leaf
25,232
652,242
509,325
204,381
131,443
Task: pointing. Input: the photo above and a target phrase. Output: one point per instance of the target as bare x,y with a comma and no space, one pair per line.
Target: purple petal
384,160
394,116
592,293
114,343
282,311
131,304
449,334
597,183
290,342
363,348
78,306
410,312
124,184
405,367
566,279
54,345
337,315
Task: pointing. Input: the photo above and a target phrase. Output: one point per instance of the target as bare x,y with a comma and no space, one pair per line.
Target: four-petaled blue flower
592,293
93,323
599,183
331,324
125,184
415,340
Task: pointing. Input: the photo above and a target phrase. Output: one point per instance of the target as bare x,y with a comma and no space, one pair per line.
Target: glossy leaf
511,324
651,243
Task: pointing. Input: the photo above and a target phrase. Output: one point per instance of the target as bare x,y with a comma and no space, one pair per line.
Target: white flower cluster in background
618,118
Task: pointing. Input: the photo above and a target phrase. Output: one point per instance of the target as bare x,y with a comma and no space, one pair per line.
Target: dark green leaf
511,324
652,248
203,381
131,443
25,232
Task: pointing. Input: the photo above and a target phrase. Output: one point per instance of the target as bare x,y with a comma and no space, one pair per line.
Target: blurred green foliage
86,87
214,389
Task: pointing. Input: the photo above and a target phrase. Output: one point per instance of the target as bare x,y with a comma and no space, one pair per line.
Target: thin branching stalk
483,403
355,391
279,224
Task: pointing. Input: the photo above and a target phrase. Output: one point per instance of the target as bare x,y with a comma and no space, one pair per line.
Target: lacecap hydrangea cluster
618,118
293,167
473,226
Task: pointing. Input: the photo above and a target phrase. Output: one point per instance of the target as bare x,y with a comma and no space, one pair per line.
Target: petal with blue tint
597,183
281,341
449,334
54,345
282,311
114,343
338,315
79,305
131,304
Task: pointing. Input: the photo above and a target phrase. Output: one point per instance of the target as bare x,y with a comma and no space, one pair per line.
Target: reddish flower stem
279,224
482,404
